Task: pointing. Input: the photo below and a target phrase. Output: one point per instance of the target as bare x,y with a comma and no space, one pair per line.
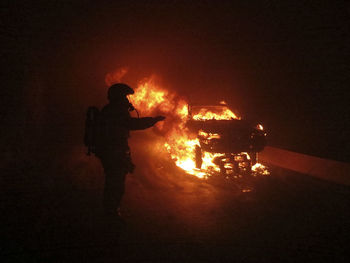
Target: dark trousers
115,174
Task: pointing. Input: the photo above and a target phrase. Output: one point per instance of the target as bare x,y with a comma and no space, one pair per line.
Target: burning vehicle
202,140
234,142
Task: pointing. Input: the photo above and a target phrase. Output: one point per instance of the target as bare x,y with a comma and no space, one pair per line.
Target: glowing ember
181,143
260,127
260,169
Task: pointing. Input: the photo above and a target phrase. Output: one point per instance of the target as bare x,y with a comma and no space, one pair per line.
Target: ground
170,216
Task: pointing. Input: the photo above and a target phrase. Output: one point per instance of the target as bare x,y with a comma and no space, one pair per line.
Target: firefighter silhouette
112,146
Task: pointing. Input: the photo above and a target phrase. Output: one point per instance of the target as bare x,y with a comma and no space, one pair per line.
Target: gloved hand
159,118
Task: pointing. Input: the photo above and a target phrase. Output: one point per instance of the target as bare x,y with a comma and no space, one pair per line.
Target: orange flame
150,99
223,114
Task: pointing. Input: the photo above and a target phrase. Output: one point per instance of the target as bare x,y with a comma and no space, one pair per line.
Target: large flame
207,114
150,99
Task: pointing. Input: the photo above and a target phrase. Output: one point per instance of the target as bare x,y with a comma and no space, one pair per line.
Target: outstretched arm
143,123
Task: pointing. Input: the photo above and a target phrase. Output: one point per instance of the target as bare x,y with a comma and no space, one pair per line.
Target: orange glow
116,76
260,127
222,114
260,169
209,136
151,99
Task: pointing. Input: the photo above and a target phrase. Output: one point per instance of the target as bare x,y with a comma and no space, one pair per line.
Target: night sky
282,63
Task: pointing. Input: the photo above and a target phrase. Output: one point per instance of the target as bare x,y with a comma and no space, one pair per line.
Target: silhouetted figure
112,146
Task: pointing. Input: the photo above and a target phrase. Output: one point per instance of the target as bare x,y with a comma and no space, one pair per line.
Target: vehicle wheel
198,156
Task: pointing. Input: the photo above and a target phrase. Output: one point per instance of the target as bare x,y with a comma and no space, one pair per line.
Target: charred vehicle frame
236,141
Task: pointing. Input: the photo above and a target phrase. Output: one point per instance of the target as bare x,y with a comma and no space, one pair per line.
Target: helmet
116,91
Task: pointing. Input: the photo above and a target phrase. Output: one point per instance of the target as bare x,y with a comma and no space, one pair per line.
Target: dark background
283,63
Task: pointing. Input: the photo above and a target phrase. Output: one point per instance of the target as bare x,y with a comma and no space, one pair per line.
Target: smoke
116,76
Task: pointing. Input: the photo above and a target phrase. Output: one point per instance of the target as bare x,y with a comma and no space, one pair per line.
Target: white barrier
334,171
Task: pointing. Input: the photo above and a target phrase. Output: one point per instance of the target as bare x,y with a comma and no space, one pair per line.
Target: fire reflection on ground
161,192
